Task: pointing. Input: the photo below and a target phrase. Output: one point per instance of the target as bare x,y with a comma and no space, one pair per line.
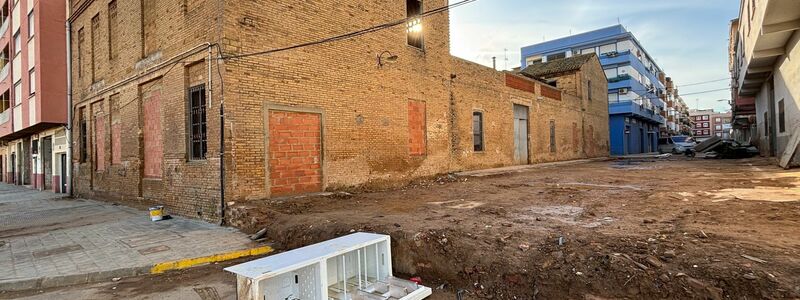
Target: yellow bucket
156,213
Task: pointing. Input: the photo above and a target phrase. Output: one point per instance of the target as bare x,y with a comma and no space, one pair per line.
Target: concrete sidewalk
49,241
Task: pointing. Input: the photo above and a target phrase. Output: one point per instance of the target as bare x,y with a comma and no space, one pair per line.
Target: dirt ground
678,228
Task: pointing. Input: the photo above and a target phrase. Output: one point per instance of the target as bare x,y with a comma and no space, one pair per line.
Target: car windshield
680,139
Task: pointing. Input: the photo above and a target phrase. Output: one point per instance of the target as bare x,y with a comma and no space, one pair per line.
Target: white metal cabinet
353,267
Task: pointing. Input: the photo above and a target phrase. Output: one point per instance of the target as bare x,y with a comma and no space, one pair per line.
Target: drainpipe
69,111
221,137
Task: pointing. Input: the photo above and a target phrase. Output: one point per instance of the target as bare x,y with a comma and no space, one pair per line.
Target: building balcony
635,110
4,72
627,58
773,24
4,27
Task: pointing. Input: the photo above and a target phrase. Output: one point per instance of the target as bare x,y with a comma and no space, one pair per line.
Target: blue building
636,91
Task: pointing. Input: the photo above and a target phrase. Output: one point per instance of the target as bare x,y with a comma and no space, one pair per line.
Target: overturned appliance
716,147
352,267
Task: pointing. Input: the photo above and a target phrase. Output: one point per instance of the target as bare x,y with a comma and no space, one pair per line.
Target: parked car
675,144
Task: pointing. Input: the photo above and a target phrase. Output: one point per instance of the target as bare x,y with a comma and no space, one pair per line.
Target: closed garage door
295,144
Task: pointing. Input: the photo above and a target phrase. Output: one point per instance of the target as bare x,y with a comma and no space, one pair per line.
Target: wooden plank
791,149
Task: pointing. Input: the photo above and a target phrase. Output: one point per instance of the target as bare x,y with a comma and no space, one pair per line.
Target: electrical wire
354,33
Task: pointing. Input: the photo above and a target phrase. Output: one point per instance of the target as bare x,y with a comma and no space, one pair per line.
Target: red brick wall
294,153
416,128
551,93
153,146
519,83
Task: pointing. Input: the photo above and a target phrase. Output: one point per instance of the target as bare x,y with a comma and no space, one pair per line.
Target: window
587,50
533,60
95,38
197,123
613,98
414,26
718,120
553,136
718,127
477,131
84,138
32,81
608,48
17,43
589,89
31,25
18,93
705,118
112,29
781,117
80,52
556,56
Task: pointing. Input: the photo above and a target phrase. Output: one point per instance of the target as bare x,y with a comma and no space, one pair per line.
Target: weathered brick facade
315,118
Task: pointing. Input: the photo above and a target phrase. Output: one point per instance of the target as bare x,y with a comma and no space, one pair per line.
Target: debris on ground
534,234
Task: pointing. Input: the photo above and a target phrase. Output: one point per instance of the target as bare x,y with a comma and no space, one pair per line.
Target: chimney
494,63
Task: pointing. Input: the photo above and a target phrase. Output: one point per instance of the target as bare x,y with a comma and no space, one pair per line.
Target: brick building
708,123
378,109
33,89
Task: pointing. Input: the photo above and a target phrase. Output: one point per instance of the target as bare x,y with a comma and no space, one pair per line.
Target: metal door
521,154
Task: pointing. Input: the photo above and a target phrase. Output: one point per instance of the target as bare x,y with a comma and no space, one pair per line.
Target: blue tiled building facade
636,91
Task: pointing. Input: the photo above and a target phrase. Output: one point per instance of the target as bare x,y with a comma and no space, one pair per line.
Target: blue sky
688,38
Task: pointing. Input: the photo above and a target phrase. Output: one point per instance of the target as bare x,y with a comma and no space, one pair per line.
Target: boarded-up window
116,127
99,136
95,42
149,24
417,140
153,143
575,140
553,136
112,29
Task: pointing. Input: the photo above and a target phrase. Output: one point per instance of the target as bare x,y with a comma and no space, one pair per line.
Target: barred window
197,123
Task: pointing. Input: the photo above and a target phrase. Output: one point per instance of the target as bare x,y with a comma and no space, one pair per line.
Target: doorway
63,178
13,173
47,162
773,132
521,154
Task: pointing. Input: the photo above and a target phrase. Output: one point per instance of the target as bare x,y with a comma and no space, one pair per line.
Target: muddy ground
677,228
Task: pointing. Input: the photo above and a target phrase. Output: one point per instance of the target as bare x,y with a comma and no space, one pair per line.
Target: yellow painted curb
191,262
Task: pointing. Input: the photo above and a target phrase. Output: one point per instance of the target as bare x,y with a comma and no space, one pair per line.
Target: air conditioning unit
623,91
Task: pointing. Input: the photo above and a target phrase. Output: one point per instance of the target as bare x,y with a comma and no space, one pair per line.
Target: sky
687,38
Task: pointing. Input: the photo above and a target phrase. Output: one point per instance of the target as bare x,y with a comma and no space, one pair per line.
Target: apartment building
376,109
677,121
708,123
636,84
33,94
765,64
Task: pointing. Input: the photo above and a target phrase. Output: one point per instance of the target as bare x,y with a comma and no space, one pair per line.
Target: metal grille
197,122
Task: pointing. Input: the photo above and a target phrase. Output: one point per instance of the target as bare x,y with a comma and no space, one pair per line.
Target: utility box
353,267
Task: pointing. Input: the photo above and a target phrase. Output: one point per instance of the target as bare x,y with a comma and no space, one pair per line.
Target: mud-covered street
671,228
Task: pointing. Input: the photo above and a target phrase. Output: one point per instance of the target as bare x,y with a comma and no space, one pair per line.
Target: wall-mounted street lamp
386,57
